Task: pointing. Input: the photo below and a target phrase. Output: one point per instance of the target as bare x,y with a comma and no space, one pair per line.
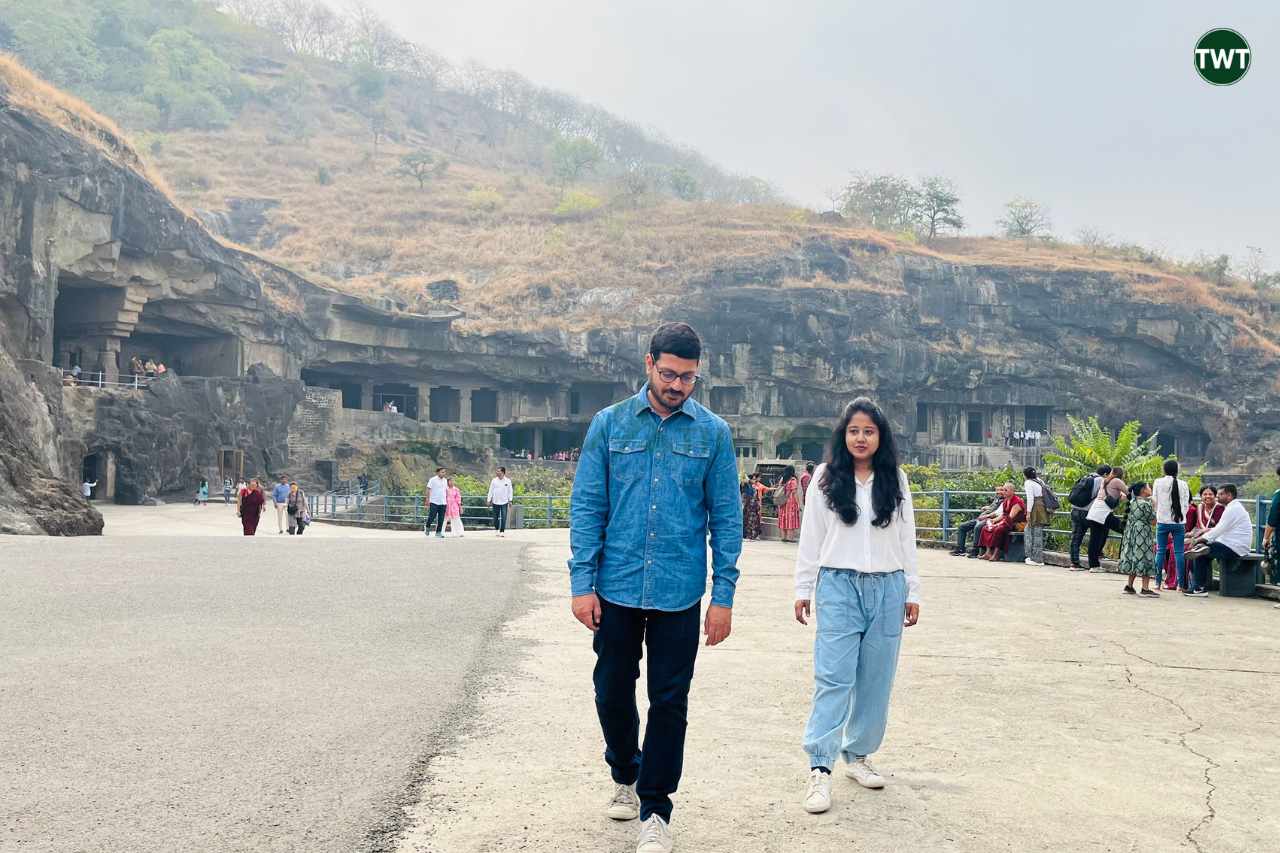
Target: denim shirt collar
640,404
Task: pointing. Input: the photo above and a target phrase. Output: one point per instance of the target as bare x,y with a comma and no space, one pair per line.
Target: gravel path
1035,710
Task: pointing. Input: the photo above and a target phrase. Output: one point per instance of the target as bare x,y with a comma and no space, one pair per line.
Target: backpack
1081,494
1051,502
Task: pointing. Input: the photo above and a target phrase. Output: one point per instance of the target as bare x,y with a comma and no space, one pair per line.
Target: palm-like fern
1091,445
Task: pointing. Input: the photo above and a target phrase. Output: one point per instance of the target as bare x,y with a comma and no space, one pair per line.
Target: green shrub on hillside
577,204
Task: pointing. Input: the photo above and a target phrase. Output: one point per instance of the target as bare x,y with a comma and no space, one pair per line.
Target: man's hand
718,624
586,609
802,610
912,615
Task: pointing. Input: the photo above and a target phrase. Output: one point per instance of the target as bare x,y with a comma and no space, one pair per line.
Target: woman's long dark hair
838,482
1135,491
1171,470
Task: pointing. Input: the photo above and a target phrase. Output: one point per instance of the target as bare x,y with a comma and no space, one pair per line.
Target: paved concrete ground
1034,710
202,691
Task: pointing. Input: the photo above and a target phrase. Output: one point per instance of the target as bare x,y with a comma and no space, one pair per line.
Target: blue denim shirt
644,496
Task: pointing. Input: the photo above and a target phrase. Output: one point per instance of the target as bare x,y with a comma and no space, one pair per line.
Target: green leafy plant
1092,445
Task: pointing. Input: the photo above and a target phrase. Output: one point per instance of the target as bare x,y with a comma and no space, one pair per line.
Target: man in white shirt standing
438,494
500,493
1231,538
86,488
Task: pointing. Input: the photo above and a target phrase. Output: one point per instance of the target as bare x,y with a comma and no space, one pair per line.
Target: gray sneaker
625,805
655,836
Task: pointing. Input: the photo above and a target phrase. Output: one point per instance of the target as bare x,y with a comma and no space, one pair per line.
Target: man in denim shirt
657,471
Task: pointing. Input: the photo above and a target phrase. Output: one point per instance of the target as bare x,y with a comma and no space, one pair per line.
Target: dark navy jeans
672,641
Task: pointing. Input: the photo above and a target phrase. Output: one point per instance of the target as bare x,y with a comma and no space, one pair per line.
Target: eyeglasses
671,376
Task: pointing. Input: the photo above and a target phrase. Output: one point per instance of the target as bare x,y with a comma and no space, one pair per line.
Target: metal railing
410,511
100,380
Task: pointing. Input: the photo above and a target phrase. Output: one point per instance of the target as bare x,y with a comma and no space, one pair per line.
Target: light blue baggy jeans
855,656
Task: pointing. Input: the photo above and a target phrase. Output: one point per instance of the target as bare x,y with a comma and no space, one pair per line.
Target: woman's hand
912,615
802,610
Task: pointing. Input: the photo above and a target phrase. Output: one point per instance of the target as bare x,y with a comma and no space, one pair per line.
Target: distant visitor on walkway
1136,545
501,493
453,509
656,474
438,496
250,506
787,500
856,571
296,509
280,499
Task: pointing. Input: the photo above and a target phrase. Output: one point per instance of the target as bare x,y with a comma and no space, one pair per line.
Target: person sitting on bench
974,527
1232,537
995,536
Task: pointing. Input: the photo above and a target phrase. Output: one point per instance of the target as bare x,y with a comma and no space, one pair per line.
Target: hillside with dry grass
317,147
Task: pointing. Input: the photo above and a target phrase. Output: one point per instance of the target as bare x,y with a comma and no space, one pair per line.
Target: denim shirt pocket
628,461
691,460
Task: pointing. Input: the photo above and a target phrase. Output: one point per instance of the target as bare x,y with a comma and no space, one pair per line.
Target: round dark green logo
1222,57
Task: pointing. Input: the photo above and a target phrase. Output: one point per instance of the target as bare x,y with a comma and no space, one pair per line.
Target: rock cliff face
97,266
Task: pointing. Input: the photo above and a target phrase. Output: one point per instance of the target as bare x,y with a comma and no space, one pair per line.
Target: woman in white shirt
856,568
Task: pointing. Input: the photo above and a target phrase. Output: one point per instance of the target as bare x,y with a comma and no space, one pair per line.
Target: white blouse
826,541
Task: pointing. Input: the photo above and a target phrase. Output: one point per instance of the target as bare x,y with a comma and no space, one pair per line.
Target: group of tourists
1164,533
642,515
787,496
148,367
445,503
570,455
293,515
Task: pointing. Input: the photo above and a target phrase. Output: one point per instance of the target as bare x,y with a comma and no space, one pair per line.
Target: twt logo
1222,57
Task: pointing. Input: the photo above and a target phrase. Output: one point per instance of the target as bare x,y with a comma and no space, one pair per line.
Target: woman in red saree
251,501
995,536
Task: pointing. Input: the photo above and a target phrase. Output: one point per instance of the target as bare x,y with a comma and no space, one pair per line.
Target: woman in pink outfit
453,508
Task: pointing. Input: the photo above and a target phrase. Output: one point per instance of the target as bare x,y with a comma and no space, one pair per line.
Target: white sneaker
625,805
864,774
1031,562
817,796
655,836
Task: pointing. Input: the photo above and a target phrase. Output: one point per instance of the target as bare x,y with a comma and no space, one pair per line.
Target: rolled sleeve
724,510
589,508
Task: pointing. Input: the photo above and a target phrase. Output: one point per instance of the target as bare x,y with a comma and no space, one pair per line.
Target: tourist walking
296,510
856,570
1172,499
971,530
1102,517
1082,495
657,474
453,509
249,506
1138,539
280,499
1038,515
752,526
787,500
995,536
501,493
438,496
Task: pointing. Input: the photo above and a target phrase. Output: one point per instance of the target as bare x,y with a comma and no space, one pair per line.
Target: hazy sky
1092,108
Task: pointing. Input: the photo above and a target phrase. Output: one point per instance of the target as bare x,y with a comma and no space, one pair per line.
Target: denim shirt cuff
581,585
722,594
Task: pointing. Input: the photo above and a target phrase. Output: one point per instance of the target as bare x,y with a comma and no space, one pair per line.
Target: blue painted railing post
1259,521
946,515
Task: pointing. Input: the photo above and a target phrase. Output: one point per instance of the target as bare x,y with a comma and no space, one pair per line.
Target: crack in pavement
1209,764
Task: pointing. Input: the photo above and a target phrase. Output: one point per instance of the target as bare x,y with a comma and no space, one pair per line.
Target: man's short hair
1104,470
678,339
808,466
438,470
1229,488
503,470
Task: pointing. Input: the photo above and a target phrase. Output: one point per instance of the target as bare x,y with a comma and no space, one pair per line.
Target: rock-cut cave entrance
99,470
